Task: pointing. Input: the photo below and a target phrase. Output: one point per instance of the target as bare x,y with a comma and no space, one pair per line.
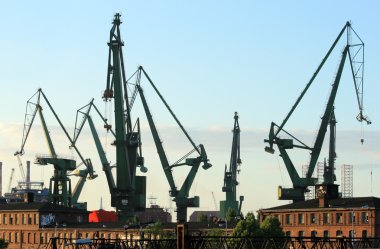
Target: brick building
349,217
32,224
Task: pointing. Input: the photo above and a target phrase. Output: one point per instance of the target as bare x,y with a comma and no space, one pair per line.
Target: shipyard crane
129,195
180,194
60,185
10,180
79,124
85,113
355,54
230,175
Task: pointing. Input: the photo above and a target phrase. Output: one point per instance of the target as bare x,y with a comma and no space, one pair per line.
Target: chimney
322,197
27,174
1,179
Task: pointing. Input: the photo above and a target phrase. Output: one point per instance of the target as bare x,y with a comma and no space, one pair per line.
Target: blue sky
209,59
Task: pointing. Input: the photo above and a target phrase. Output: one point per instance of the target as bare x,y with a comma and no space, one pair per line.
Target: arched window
339,233
351,234
326,234
364,233
301,233
313,234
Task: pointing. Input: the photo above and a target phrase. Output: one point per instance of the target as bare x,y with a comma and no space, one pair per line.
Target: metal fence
199,242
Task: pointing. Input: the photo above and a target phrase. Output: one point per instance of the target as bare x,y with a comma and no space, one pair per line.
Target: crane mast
230,175
355,53
130,192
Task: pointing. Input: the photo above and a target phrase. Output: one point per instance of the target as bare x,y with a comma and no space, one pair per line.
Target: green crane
230,176
129,194
355,53
60,190
85,112
180,195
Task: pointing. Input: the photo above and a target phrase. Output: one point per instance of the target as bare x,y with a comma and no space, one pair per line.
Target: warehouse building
321,217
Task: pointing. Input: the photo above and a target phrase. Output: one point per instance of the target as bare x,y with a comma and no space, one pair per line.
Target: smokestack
1,179
27,174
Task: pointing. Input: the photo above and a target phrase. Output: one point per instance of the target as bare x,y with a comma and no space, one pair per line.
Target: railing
199,242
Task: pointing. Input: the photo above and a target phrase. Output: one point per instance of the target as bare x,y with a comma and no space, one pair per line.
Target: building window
278,217
326,234
352,217
23,219
10,219
288,219
301,219
10,237
301,234
364,217
34,219
364,234
339,233
339,218
351,233
313,218
16,219
29,238
313,234
326,218
41,238
29,220
4,219
288,233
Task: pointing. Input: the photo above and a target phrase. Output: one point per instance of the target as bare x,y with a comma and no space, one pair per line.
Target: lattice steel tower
347,181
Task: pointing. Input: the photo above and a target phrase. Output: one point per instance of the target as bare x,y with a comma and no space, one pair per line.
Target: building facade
348,217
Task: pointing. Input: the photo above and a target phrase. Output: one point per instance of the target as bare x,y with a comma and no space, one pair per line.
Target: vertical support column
182,238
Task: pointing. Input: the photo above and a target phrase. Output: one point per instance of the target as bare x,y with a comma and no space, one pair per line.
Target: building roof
38,206
355,202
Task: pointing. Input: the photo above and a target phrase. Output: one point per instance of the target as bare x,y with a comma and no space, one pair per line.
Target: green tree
271,227
231,215
3,244
248,227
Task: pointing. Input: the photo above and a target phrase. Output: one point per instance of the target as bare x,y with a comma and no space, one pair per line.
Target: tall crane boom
181,195
355,53
230,175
